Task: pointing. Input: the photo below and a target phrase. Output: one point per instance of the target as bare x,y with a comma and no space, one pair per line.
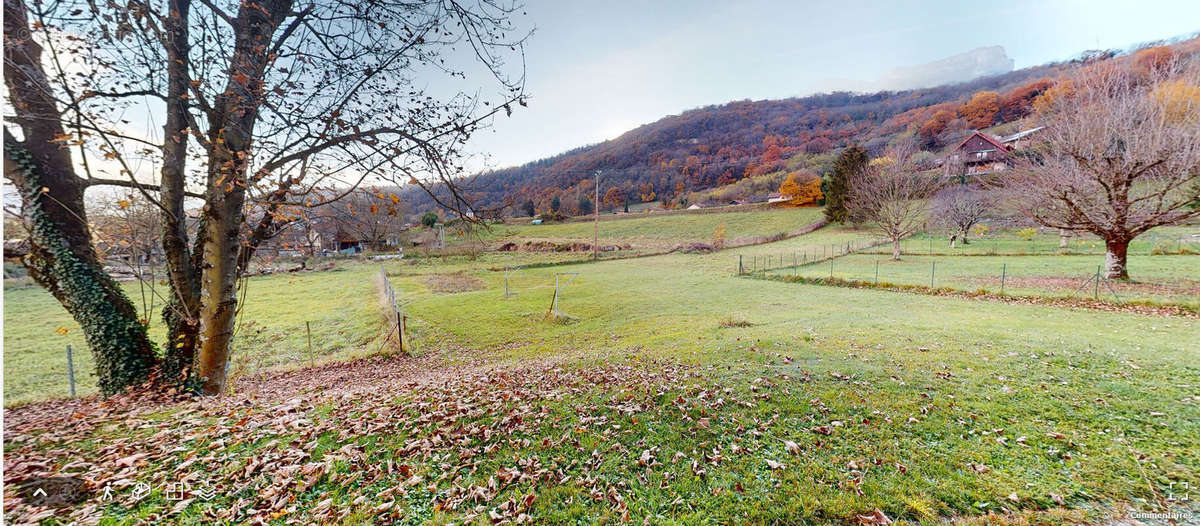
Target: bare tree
266,102
1120,155
891,196
959,207
372,215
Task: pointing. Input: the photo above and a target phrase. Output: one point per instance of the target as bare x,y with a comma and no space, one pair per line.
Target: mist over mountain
979,62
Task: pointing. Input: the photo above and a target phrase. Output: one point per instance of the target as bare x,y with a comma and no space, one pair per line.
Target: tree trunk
1115,260
232,132
62,258
218,295
181,311
1064,238
896,249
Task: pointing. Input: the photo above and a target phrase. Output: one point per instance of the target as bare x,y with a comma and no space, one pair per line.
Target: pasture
729,400
666,231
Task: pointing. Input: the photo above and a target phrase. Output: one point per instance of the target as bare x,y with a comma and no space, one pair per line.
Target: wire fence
763,263
1067,277
1031,242
394,315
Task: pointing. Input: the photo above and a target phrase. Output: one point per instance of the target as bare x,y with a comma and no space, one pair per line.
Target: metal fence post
403,330
308,331
932,269
71,369
1096,293
740,269
876,271
830,268
1003,275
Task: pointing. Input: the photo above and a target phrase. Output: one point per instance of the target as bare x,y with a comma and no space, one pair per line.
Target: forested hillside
718,145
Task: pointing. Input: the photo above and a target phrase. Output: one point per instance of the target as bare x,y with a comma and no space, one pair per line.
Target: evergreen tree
528,208
429,219
585,206
555,204
852,160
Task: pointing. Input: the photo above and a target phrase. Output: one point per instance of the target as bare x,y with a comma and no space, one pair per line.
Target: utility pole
596,223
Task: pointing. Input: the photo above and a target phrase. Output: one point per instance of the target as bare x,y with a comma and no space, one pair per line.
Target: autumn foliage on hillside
679,156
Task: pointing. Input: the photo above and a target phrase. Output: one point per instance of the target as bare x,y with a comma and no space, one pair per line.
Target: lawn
1169,240
670,391
1159,279
666,231
271,334
271,331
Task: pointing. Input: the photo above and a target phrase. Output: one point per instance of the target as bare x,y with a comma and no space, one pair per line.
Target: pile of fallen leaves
448,423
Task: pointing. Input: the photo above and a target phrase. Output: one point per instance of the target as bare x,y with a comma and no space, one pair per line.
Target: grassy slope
669,230
1007,241
947,406
1024,370
1161,279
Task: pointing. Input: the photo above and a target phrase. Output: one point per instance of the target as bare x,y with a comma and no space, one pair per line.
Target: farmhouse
982,153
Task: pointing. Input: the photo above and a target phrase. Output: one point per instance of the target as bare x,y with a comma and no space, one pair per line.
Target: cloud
962,67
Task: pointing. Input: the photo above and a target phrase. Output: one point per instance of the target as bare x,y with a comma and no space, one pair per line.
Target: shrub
547,217
732,321
1027,233
979,230
718,240
1168,248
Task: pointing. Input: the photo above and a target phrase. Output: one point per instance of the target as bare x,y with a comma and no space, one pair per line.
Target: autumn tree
891,196
852,160
1120,155
980,112
1154,59
263,102
613,197
801,188
646,193
930,130
1018,102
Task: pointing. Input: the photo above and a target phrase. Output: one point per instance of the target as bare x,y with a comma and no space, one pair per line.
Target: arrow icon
39,492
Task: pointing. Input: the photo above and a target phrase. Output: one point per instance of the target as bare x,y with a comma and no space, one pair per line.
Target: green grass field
270,333
671,391
1159,279
1169,240
665,231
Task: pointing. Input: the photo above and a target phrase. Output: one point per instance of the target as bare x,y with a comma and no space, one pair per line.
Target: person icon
107,495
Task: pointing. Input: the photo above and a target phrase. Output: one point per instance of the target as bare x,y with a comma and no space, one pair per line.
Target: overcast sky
599,68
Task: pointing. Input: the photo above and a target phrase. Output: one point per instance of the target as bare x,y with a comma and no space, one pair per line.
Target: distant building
778,198
1015,141
982,153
